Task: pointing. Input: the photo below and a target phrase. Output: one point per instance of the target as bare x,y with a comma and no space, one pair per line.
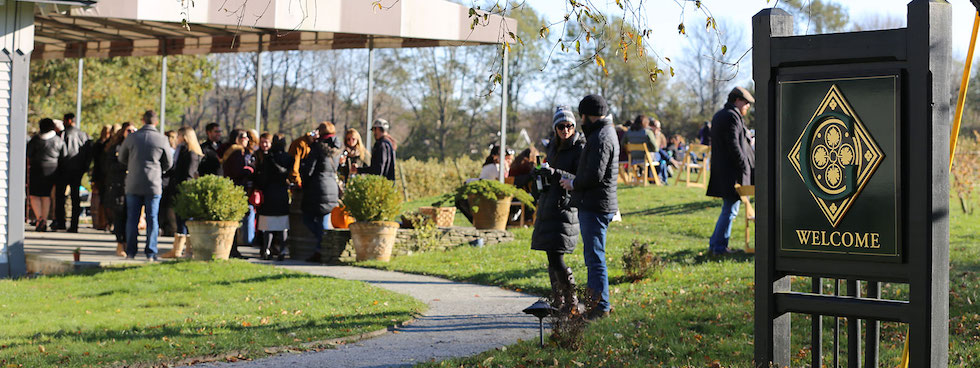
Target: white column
163,96
258,88
370,95
16,45
78,94
503,113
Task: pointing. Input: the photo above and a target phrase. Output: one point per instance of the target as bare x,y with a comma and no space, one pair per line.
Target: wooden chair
522,221
744,192
625,175
689,166
640,171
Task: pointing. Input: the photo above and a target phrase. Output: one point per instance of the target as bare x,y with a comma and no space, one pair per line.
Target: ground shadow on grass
675,209
88,271
267,278
189,331
501,278
695,257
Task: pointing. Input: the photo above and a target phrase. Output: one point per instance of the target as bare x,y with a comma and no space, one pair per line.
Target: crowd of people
135,172
135,175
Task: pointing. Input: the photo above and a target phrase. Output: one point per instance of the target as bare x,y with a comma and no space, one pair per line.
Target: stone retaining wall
337,247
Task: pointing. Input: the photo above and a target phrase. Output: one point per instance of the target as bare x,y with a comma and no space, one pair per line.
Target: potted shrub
214,206
374,202
491,201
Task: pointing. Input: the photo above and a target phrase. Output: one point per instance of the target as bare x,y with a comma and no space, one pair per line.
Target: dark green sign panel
838,194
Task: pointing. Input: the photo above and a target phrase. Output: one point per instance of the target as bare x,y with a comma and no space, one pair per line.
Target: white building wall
16,45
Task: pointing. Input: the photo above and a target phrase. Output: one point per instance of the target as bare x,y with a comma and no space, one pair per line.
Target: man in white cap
383,152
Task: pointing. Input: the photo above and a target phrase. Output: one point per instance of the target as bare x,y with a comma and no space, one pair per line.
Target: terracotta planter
491,215
374,240
211,239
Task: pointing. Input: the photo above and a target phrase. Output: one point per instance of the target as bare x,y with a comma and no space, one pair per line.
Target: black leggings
275,242
556,261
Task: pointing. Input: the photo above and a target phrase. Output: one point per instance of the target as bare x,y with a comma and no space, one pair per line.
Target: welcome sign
838,194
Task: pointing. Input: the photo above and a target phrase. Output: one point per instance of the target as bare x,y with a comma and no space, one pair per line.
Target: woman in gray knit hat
556,225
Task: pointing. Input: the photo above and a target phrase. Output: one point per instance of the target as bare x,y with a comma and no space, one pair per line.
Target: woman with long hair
188,157
97,178
44,151
238,164
115,185
272,165
355,155
556,226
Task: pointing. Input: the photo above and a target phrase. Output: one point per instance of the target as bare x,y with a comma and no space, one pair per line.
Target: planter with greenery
373,202
489,200
214,206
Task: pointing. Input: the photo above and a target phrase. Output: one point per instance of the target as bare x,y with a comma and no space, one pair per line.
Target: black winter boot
557,285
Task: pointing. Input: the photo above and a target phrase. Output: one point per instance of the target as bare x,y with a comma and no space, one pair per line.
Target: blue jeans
661,169
248,225
723,228
594,226
151,205
317,224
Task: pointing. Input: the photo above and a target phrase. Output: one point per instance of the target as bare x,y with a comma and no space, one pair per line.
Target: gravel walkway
462,320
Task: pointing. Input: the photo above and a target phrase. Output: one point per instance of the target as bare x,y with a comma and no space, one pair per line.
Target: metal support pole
370,94
816,328
258,88
541,331
163,96
78,94
503,112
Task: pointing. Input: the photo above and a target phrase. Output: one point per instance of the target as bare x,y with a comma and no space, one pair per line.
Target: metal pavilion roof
153,27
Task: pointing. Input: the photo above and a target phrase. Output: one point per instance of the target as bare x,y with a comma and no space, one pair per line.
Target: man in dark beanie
732,161
594,194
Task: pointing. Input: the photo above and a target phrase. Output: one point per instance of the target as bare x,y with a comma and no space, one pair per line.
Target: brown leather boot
568,293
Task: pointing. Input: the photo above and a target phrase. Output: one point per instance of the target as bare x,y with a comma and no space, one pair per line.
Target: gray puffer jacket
556,224
594,187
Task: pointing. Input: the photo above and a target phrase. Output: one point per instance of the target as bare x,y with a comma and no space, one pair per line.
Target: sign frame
920,55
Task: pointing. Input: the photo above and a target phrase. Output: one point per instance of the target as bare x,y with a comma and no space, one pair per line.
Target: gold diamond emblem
827,156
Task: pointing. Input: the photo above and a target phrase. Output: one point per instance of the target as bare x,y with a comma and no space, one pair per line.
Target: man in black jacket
211,163
732,161
383,151
73,167
594,194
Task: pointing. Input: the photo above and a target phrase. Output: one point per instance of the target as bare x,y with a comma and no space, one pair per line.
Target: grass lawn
697,309
163,313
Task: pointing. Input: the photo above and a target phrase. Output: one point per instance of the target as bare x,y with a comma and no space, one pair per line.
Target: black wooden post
853,329
871,337
816,328
928,206
772,330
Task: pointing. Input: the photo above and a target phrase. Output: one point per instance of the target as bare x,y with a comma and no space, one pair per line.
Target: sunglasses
564,126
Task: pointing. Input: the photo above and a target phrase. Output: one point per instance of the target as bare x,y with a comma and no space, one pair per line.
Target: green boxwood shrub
489,189
210,198
371,198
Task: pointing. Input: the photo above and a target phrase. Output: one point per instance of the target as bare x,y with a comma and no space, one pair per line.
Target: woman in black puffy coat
272,165
556,226
320,191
